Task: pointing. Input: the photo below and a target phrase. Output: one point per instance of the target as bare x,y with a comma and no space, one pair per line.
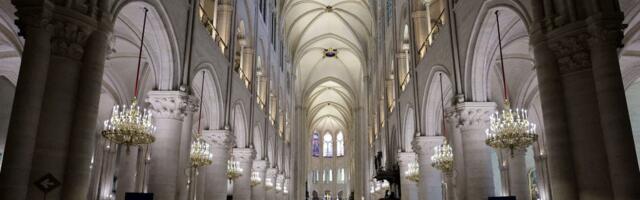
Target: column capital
474,115
168,104
572,51
423,145
272,172
406,157
193,104
260,165
218,138
243,154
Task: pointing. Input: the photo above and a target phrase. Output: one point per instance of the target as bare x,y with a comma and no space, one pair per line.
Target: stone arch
482,51
213,103
431,101
409,128
160,41
239,124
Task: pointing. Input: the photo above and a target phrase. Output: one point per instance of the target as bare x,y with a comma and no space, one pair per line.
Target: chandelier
255,178
268,183
442,158
200,150
278,186
131,124
413,172
509,129
233,169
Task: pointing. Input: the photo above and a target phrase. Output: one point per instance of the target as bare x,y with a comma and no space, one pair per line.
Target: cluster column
430,186
242,185
271,177
63,60
168,109
409,188
216,173
258,192
473,120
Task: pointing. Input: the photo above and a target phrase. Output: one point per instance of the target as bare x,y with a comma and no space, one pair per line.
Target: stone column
280,181
449,186
606,33
242,185
216,173
23,126
271,176
186,134
517,173
258,192
473,121
169,108
224,20
430,186
420,26
408,187
427,5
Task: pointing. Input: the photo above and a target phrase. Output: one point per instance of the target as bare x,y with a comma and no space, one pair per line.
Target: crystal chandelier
233,169
268,183
442,158
278,186
255,178
509,129
200,150
413,172
131,124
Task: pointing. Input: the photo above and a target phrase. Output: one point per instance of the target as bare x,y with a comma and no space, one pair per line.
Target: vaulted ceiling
327,83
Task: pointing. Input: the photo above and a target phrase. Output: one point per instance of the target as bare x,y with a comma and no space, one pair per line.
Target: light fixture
233,169
268,183
131,124
413,171
200,150
442,158
255,178
509,129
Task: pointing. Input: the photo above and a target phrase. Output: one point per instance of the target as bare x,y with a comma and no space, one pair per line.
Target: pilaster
242,185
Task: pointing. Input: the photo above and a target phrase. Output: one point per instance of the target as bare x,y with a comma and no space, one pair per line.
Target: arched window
328,145
340,144
315,144
341,176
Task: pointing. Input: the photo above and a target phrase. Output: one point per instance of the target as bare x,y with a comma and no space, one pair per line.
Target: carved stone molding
423,145
69,38
168,104
219,138
406,157
474,115
572,52
33,17
193,104
271,173
243,154
260,165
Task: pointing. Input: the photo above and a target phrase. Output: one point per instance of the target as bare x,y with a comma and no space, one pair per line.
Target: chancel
319,99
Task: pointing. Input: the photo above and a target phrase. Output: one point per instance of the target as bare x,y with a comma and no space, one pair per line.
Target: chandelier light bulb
129,125
200,153
233,169
510,129
255,178
413,172
442,158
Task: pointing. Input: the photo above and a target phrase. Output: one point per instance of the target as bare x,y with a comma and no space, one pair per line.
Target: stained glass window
328,145
340,144
315,145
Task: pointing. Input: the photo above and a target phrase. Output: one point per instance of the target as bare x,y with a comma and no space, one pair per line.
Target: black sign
47,183
503,198
138,196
